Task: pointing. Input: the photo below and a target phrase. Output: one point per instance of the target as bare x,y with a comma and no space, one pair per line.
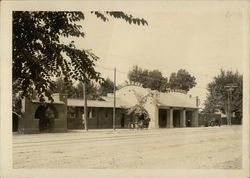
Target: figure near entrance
46,117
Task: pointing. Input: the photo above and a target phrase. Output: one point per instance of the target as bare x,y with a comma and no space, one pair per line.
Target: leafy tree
107,86
76,91
149,79
60,86
181,80
16,102
39,53
217,97
138,112
91,91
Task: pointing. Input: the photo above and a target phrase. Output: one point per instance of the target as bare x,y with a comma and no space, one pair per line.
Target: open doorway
176,118
123,121
162,118
188,118
44,122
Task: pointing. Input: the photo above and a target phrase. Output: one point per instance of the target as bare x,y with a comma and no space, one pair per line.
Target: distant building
166,110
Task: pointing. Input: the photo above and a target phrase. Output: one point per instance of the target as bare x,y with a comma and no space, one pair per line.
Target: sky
201,42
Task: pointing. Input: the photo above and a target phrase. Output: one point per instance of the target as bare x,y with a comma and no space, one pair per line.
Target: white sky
202,43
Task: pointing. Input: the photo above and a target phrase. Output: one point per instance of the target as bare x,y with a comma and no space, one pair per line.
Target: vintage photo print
125,89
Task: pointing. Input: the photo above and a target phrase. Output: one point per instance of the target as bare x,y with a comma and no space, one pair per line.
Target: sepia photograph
158,86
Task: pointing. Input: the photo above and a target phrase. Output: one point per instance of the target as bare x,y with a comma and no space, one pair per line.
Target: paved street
204,147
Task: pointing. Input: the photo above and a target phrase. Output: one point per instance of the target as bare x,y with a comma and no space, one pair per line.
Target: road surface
194,148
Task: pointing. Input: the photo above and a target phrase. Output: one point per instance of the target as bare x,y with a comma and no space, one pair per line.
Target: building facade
47,117
100,113
165,110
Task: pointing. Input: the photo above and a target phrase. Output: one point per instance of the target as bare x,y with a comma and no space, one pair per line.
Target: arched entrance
44,123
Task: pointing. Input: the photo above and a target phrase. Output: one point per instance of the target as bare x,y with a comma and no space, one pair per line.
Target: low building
47,117
100,113
165,110
170,109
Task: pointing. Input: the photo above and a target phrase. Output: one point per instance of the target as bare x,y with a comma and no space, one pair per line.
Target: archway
44,123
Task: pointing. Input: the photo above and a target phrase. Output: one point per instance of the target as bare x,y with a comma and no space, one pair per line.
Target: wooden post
85,107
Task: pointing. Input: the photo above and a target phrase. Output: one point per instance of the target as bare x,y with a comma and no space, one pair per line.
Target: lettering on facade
179,91
131,83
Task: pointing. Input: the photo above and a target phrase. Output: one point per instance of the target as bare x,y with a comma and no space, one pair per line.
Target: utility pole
114,99
85,107
228,108
230,88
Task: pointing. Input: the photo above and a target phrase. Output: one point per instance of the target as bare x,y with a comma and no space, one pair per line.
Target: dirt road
213,147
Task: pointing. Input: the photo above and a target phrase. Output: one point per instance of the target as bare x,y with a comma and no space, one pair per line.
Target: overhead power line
126,58
146,77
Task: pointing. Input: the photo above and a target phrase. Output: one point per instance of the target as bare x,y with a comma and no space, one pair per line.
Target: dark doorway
123,121
15,118
44,122
188,118
176,118
162,118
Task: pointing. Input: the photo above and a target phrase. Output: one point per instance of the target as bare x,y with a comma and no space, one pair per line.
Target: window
106,113
90,113
72,115
71,112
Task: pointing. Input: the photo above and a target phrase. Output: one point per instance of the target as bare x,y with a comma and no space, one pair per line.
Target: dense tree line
149,79
154,79
217,98
182,80
93,89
